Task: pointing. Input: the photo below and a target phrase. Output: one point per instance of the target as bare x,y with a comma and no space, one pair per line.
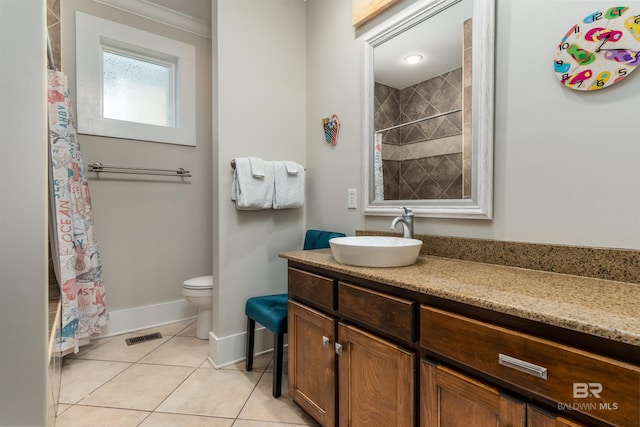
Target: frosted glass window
137,90
134,84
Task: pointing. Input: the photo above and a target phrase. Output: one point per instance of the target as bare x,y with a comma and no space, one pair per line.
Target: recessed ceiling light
414,58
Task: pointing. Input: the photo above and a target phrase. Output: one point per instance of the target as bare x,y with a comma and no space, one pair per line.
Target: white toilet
198,291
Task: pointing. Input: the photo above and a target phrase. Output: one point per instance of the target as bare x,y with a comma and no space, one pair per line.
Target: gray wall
23,230
566,163
261,93
153,232
334,86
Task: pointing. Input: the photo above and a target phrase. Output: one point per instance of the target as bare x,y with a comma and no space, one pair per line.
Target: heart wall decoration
331,126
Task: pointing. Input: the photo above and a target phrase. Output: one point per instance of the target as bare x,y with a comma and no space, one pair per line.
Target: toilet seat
199,283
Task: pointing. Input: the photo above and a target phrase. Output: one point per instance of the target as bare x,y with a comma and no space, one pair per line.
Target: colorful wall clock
600,50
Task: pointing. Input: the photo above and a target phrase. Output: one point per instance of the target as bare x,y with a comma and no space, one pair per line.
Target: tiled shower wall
430,159
466,110
422,160
53,25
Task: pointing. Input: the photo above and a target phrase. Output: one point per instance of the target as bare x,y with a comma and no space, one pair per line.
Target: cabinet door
536,417
376,380
312,378
450,399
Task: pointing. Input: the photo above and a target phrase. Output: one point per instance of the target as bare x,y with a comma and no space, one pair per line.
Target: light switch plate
351,198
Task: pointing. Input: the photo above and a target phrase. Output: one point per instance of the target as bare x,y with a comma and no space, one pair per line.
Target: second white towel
289,185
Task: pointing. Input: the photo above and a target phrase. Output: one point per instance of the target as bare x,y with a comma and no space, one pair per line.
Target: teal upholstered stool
271,312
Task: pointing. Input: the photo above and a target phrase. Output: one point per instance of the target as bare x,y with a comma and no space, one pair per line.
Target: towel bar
99,167
233,164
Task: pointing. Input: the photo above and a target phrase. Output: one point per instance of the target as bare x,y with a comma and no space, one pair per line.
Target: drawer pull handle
326,341
522,366
338,349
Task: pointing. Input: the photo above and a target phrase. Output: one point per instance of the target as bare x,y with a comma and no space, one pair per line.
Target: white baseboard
148,316
231,349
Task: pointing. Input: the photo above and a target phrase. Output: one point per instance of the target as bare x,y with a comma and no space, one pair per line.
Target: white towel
292,167
257,167
249,192
289,188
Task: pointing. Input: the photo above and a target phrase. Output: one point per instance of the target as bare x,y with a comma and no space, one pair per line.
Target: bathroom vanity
446,342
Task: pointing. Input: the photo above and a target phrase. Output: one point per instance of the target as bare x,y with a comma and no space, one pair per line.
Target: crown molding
161,14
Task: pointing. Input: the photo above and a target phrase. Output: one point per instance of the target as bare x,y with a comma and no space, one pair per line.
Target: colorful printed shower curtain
74,247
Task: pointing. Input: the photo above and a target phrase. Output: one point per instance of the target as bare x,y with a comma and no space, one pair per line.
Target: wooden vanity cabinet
376,380
536,417
312,362
363,354
341,372
607,389
451,399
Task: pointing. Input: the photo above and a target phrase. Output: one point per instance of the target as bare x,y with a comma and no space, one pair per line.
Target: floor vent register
143,338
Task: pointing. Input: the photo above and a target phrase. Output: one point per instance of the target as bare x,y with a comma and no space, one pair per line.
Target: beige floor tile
62,407
285,363
89,416
171,329
117,349
81,377
190,331
212,392
95,343
207,364
139,387
262,406
180,351
158,419
260,363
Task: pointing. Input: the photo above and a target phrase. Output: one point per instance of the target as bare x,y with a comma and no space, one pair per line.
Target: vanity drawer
392,315
312,288
601,387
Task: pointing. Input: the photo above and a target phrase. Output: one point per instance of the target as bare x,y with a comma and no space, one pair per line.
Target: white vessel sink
375,251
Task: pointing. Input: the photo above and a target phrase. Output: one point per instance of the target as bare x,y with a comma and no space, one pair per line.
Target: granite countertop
603,308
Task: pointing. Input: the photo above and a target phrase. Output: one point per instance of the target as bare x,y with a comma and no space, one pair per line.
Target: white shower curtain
378,178
74,247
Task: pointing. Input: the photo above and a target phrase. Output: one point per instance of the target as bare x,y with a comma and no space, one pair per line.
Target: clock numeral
596,16
600,81
615,12
563,46
621,71
560,66
632,24
576,80
574,30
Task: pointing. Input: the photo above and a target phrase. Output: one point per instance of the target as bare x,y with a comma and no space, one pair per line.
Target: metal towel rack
99,167
233,164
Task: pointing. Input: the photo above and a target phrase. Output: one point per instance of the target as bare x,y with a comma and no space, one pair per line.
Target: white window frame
93,35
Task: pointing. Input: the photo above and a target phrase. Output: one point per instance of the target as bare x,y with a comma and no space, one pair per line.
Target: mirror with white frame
428,126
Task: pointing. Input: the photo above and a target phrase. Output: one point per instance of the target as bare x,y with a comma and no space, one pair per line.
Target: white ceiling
439,41
200,9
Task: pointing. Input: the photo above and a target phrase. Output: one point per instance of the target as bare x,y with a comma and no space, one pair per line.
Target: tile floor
169,382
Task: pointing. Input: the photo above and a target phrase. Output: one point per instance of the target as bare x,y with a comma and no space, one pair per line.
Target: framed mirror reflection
428,124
